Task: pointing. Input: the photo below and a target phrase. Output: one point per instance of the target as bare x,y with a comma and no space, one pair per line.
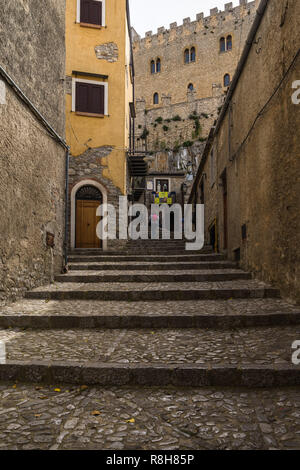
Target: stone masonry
206,73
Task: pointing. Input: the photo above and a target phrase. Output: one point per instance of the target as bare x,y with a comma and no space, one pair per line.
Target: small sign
150,185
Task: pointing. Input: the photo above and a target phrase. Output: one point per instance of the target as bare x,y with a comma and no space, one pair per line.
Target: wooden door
86,224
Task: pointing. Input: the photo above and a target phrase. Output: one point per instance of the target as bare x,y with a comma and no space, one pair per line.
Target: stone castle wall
206,73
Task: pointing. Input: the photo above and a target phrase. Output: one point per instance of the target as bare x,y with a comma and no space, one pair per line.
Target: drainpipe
65,268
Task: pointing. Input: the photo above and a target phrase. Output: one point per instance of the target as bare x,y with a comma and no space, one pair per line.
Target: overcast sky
148,15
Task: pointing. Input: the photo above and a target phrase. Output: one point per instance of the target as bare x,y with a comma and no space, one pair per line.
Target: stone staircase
151,315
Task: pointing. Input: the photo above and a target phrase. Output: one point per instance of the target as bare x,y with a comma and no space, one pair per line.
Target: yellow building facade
99,90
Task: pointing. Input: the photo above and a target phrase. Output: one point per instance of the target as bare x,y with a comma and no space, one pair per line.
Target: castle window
152,66
155,98
226,80
191,87
222,45
187,56
91,13
229,43
158,65
193,54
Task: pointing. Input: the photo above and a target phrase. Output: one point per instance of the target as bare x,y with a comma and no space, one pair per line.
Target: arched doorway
88,198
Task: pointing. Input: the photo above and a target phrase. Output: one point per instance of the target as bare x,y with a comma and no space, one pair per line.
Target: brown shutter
90,98
97,99
82,94
91,12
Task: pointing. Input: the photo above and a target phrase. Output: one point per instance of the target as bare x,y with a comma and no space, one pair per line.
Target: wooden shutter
96,99
91,12
90,98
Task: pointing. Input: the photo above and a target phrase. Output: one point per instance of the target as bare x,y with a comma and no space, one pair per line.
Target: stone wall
32,51
169,126
206,74
32,176
258,145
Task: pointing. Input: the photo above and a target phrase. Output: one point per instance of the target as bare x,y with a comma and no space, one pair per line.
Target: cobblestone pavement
62,417
169,308
256,346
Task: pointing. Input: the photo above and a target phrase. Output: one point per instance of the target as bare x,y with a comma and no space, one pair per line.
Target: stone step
154,291
148,266
148,258
167,314
153,276
253,357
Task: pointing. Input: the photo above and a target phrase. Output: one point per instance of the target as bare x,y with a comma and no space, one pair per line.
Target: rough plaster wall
32,51
263,181
32,175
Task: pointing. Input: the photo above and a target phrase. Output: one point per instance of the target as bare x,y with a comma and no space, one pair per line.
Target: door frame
75,188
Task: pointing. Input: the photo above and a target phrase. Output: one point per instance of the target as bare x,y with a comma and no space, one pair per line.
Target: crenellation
206,22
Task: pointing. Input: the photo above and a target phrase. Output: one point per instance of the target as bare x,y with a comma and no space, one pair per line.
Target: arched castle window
158,65
187,56
152,66
226,80
193,54
155,98
222,45
191,87
229,43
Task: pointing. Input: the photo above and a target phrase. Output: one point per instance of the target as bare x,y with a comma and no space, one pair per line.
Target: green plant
159,120
187,144
176,118
145,133
165,128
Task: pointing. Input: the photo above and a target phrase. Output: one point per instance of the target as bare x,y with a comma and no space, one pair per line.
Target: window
193,54
226,80
162,186
222,45
91,12
155,98
229,43
158,65
226,44
90,98
191,87
187,56
152,66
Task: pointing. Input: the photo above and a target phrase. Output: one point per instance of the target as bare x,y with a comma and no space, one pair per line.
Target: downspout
65,268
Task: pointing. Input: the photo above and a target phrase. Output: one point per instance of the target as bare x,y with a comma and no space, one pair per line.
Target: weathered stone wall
32,175
171,125
206,73
258,145
32,51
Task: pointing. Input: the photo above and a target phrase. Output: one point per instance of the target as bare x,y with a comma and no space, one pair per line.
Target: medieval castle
197,61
